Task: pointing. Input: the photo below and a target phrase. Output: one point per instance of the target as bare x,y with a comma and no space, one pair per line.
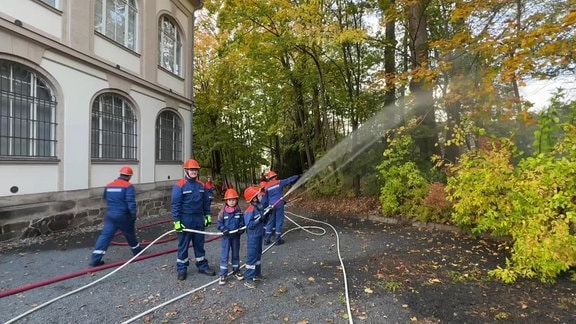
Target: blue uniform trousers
197,240
230,245
275,221
111,225
254,255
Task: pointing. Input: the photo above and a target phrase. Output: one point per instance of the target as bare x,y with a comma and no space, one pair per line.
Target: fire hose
138,257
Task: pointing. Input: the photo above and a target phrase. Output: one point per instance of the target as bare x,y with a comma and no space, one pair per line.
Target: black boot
208,272
181,275
279,240
97,263
137,250
267,239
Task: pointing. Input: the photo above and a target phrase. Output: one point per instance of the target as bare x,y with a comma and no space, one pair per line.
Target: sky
539,92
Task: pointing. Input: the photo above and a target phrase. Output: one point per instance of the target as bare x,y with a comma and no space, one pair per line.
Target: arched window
113,128
27,113
116,19
170,45
168,137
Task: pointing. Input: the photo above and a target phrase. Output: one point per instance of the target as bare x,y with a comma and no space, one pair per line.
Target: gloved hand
267,210
240,231
207,220
225,232
178,227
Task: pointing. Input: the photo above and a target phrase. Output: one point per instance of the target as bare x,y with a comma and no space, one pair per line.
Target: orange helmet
191,164
271,174
126,171
251,192
230,194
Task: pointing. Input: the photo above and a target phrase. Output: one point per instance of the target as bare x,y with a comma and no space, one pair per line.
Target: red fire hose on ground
29,286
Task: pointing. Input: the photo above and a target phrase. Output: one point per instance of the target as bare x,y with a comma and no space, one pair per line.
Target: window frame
177,66
116,135
56,4
172,146
101,22
25,134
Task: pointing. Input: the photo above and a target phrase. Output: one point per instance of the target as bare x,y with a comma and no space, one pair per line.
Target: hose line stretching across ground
307,229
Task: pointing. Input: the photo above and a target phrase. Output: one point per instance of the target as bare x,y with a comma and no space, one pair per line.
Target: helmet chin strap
188,176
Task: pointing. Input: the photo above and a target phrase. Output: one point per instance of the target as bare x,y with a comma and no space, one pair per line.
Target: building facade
87,87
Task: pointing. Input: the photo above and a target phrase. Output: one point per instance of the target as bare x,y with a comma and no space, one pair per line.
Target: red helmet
251,192
191,164
271,174
230,194
126,171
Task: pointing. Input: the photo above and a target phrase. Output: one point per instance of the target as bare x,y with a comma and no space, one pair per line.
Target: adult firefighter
120,215
274,191
191,210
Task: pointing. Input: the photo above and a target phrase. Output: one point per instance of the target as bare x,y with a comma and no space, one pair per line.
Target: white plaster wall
164,78
186,116
102,174
150,105
169,172
28,178
171,82
114,53
35,15
78,87
167,5
162,5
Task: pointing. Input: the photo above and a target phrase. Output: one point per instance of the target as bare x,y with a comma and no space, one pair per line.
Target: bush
534,203
480,188
438,208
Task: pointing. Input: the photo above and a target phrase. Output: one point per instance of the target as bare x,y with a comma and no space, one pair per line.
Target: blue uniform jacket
189,200
231,221
254,226
121,199
209,187
275,189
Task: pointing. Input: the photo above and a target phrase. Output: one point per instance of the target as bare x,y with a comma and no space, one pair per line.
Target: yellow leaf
311,279
368,290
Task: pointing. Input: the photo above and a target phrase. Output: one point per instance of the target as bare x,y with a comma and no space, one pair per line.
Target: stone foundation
26,216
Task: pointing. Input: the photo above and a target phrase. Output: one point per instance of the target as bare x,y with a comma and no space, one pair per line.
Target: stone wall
25,216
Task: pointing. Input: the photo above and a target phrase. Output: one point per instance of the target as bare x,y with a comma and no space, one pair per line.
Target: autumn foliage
533,202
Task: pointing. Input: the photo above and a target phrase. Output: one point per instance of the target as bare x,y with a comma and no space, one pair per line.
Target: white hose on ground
307,229
298,227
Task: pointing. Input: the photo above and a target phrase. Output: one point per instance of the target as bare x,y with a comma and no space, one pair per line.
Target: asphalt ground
304,280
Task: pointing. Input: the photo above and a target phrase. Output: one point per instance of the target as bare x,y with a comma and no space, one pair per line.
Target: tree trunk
420,87
390,57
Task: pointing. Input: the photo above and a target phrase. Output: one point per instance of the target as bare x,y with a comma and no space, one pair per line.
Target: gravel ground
305,282
395,273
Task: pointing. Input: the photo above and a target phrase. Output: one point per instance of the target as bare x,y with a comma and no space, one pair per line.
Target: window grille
27,113
168,137
113,128
117,20
170,42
